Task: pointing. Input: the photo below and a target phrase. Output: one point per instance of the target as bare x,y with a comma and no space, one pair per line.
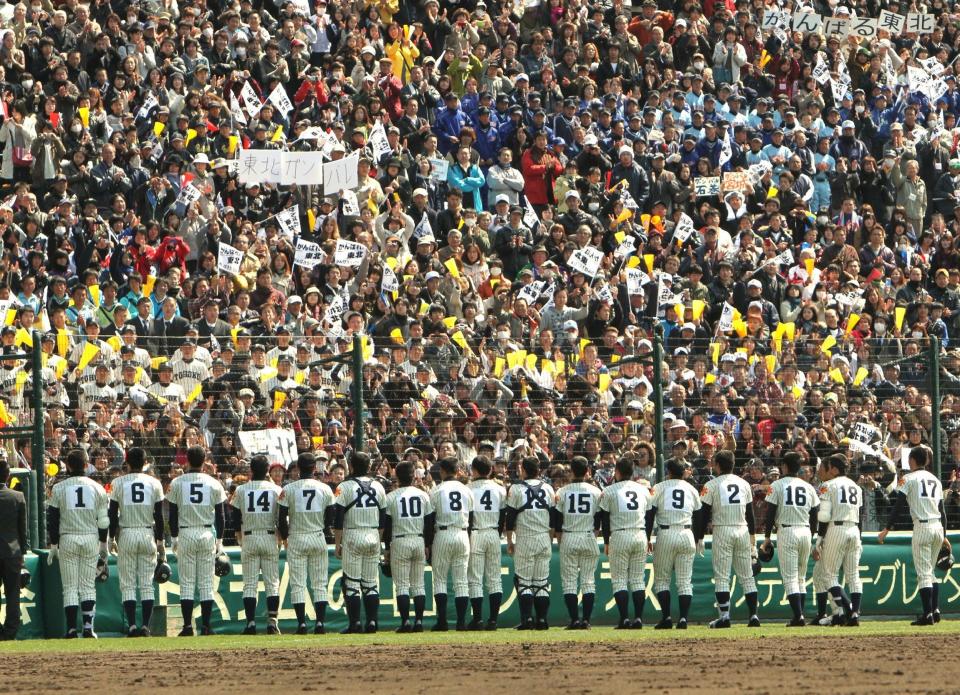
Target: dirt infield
811,664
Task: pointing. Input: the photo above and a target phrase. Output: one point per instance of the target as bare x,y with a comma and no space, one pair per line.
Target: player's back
80,501
257,502
626,503
452,504
728,496
489,498
306,501
578,503
533,500
845,499
794,499
408,507
196,496
924,495
136,495
676,501
362,498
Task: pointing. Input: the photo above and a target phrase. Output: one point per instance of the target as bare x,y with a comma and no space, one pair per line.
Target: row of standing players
458,527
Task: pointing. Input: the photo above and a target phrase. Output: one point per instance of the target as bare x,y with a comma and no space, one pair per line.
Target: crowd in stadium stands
779,207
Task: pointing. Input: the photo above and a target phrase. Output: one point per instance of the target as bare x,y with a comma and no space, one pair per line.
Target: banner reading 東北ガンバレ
889,589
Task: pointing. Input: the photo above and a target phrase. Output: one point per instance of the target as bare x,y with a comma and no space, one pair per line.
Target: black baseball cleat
573,625
754,622
797,622
682,624
637,624
145,632
302,629
274,630
71,634
133,631
838,620
719,623
819,621
527,624
89,634
206,631
923,620
624,624
187,631
665,624
584,625
491,625
371,628
417,627
542,625
404,628
475,625
853,621
440,627
319,629
355,629
250,629
936,616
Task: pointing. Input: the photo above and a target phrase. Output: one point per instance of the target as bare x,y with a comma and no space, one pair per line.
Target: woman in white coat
17,135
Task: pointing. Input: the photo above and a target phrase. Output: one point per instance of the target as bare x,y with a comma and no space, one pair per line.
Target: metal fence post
358,429
934,362
37,446
658,399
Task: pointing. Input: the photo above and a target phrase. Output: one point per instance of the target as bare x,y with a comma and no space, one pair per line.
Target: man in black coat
13,544
168,330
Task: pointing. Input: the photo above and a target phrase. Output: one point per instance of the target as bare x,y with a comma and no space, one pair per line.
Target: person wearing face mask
881,343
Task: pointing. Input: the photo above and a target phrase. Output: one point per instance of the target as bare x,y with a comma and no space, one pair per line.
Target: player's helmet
945,559
24,578
764,555
757,567
221,565
162,573
385,568
103,571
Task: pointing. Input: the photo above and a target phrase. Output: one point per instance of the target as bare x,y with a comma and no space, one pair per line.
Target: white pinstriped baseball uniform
675,501
626,503
578,504
407,508
794,498
452,504
306,501
361,535
259,552
840,503
136,496
82,504
532,546
729,496
489,499
924,495
196,496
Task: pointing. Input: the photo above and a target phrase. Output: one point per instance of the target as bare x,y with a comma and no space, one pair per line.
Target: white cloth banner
341,174
389,283
289,221
250,100
279,446
379,143
635,281
280,167
281,100
726,319
308,254
349,253
586,260
229,259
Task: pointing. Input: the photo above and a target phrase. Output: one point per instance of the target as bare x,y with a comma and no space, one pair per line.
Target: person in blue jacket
449,122
468,178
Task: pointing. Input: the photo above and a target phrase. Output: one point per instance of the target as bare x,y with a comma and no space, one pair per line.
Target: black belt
363,528
792,525
844,523
186,527
565,531
634,529
928,521
129,527
409,535
450,528
269,532
664,528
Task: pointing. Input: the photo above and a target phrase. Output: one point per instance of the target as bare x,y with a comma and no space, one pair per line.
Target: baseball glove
945,559
764,554
103,570
385,568
162,573
222,566
24,578
757,566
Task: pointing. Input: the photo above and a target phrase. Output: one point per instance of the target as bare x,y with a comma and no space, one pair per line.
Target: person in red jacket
312,83
539,169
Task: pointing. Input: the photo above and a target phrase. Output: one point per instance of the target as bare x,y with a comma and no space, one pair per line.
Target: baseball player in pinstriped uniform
358,530
792,506
306,513
77,521
197,518
529,541
623,509
675,508
576,521
136,524
727,500
407,533
255,512
922,493
450,551
839,528
489,500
